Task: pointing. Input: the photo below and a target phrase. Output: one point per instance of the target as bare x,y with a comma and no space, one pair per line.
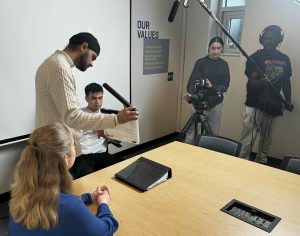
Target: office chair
114,142
293,166
220,144
286,159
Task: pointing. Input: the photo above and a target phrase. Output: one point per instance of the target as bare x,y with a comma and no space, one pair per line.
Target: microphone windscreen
173,11
116,95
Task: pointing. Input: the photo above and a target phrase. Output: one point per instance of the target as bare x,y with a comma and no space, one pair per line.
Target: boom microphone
116,95
173,10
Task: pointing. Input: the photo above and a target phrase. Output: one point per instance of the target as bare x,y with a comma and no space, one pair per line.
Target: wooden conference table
203,182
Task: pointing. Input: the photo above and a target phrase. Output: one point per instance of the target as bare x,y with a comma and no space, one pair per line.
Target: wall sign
156,56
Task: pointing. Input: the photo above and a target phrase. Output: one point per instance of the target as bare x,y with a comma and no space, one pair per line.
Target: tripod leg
204,129
205,126
186,128
195,131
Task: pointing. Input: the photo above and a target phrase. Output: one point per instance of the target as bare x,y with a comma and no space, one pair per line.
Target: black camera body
200,96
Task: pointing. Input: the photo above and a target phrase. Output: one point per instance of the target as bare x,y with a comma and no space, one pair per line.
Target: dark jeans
88,163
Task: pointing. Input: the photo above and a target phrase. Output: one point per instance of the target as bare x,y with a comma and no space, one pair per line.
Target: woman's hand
95,194
101,195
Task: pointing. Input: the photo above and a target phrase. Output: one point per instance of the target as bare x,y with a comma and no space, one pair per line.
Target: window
233,3
231,13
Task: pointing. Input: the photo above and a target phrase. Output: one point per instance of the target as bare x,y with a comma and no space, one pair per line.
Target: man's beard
82,63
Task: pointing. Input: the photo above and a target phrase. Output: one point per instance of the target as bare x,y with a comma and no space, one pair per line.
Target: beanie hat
88,38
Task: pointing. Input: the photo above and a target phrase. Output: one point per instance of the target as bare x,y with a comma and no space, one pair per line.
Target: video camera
200,96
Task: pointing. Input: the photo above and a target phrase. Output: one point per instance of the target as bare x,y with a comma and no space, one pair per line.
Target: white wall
155,96
259,14
9,155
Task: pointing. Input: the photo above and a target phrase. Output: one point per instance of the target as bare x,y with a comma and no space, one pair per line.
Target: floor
273,162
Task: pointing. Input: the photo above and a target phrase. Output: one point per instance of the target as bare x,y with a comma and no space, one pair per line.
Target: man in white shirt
93,143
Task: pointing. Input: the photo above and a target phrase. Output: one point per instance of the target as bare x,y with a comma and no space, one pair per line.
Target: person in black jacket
215,72
263,102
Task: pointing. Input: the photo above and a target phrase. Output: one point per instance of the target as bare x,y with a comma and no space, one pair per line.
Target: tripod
198,117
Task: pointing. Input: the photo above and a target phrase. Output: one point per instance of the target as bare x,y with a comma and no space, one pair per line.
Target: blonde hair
40,176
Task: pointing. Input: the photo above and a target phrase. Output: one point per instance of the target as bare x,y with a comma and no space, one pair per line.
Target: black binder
144,174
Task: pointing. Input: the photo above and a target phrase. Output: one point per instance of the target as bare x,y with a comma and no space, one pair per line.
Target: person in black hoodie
263,102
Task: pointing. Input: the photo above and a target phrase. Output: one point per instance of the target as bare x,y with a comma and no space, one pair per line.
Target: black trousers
88,163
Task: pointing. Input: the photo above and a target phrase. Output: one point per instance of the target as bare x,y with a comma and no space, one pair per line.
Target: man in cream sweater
56,98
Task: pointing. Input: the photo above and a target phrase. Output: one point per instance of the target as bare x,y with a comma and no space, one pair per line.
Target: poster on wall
156,56
155,51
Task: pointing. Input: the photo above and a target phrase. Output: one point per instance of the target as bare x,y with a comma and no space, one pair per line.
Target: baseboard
148,145
272,161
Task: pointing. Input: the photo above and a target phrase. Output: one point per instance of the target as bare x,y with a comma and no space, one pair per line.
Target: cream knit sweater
56,98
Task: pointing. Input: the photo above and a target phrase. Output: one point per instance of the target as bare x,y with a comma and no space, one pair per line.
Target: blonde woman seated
42,202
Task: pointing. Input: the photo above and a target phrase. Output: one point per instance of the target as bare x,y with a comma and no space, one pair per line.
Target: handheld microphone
173,10
116,95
